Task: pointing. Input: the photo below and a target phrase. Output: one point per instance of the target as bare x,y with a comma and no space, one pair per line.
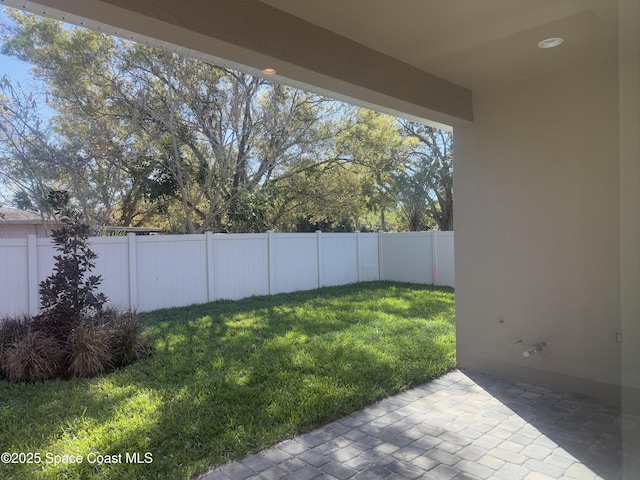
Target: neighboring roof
15,215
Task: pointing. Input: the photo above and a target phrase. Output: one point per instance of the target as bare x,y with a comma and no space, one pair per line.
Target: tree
413,197
142,135
226,135
372,142
323,198
69,149
427,183
146,125
28,158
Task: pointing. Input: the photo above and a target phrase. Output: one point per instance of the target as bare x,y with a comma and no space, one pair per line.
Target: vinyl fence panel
445,259
113,265
240,265
171,271
368,257
418,257
339,259
294,262
14,275
407,257
151,272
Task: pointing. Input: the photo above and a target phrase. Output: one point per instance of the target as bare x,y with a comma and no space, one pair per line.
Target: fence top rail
199,237
48,241
426,233
240,236
13,242
45,241
295,235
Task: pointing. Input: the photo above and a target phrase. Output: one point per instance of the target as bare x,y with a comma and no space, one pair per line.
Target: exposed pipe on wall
536,348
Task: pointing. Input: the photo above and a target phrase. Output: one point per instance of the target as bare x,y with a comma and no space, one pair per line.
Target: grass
230,378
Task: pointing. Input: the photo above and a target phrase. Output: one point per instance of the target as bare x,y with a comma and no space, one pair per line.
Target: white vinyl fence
151,272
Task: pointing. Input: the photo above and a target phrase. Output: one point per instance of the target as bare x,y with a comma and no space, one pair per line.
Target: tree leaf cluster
145,137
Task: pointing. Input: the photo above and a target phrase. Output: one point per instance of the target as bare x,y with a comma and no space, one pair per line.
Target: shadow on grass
230,378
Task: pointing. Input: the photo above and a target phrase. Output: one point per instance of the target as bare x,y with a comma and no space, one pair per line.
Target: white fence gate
151,272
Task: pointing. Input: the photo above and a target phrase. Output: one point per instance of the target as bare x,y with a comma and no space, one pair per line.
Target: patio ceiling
418,58
471,43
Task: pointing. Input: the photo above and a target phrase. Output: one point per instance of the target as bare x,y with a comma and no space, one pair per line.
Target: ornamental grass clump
74,335
126,342
33,358
11,331
90,354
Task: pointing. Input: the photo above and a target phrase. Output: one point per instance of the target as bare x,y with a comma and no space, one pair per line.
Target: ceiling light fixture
269,71
550,42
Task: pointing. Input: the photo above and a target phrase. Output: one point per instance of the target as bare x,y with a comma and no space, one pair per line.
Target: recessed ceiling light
269,71
550,42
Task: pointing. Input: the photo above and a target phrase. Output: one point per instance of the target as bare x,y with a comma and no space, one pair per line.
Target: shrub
34,358
89,350
94,346
12,330
66,295
73,336
127,344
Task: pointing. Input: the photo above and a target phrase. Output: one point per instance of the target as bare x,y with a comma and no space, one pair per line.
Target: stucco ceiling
472,43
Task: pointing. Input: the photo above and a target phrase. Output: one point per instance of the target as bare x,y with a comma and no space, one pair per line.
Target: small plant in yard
68,295
90,352
34,357
125,342
74,336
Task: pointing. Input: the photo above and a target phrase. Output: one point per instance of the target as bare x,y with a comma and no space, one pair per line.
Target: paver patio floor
461,426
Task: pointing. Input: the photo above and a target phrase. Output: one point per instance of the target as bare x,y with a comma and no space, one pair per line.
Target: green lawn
230,378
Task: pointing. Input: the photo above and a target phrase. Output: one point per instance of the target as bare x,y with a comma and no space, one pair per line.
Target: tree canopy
144,137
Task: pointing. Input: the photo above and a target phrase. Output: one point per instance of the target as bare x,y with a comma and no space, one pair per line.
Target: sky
17,70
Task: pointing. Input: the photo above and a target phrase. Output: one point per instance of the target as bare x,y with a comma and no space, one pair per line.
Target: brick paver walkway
460,426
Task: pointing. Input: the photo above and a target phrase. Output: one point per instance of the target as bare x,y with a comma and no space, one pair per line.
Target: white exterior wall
538,231
8,230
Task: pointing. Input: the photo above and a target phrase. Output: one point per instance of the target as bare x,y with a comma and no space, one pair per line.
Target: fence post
380,256
358,267
32,262
270,261
133,271
319,256
210,280
434,255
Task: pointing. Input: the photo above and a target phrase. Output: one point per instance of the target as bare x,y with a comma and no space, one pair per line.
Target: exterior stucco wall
538,230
